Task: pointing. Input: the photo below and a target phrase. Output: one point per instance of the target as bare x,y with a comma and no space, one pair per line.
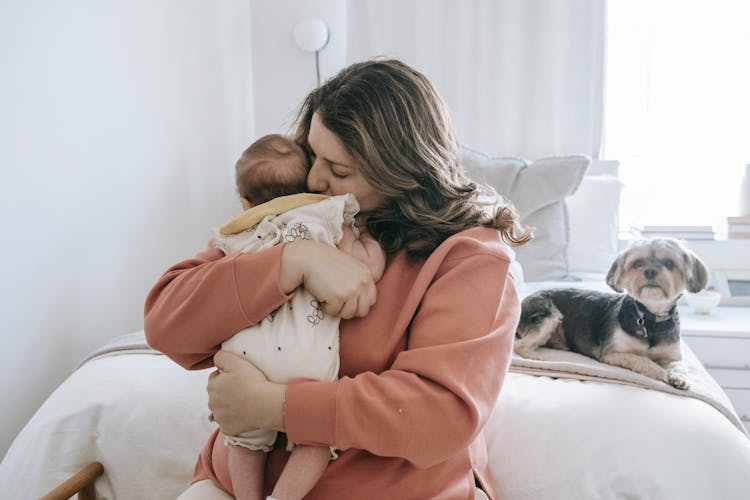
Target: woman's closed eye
338,172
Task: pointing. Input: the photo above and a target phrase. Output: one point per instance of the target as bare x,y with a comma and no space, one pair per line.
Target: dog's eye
638,263
669,264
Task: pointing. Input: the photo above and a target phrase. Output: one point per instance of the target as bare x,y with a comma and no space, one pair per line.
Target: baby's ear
246,205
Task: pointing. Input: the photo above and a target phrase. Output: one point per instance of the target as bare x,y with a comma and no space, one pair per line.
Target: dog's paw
526,352
678,380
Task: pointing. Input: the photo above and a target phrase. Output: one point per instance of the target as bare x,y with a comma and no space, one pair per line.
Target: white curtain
521,77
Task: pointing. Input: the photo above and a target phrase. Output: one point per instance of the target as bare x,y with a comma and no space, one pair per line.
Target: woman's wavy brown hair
396,127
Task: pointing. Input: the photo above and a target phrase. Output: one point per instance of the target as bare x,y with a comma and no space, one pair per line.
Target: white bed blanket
135,411
557,364
558,438
130,343
567,439
566,364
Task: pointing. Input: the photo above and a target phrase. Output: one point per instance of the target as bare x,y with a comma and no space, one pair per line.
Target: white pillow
516,269
593,212
538,190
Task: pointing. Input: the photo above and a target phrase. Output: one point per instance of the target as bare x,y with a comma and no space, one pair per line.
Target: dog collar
642,323
643,312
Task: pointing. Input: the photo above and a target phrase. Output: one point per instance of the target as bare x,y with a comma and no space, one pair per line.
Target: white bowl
703,302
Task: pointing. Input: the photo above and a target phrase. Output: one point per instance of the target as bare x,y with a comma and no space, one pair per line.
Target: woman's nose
315,179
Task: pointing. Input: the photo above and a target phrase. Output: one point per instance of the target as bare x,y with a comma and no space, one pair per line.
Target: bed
551,435
563,429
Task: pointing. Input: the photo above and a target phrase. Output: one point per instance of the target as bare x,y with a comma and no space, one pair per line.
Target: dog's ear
614,276
696,273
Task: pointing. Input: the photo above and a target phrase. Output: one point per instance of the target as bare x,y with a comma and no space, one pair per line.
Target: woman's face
333,171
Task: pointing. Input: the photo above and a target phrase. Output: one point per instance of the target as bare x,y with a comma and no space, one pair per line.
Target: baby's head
272,166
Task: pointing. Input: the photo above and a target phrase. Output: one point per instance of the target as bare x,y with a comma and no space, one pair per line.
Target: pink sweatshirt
419,374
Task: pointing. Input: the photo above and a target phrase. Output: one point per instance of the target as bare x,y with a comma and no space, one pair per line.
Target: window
678,108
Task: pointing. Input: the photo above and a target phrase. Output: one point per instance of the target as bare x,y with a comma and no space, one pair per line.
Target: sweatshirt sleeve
201,302
439,392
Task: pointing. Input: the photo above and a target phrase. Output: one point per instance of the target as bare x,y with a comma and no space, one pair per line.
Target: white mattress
145,419
566,439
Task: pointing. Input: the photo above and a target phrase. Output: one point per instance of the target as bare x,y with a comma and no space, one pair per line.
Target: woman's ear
246,205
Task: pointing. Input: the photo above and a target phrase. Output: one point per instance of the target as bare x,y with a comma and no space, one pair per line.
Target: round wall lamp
311,35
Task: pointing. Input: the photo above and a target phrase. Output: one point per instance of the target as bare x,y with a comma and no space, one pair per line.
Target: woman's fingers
348,304
221,359
234,380
360,303
230,363
344,285
370,297
226,361
349,308
240,397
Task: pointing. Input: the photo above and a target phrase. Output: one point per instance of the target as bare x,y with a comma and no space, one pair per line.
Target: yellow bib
254,215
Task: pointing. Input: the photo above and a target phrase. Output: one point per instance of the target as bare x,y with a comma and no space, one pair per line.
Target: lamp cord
317,67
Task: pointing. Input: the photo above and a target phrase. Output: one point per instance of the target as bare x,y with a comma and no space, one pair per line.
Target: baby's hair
272,166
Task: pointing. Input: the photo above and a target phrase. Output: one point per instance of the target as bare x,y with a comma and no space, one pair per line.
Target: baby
298,339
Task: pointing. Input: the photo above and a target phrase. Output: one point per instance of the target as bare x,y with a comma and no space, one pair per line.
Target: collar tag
640,328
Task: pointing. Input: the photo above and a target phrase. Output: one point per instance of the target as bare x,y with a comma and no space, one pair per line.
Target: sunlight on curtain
678,107
521,77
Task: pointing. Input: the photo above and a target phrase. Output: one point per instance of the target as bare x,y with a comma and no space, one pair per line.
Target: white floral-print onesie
297,339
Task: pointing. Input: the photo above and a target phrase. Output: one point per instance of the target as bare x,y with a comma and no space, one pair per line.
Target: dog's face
655,271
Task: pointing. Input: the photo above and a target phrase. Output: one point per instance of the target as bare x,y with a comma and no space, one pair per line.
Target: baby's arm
365,249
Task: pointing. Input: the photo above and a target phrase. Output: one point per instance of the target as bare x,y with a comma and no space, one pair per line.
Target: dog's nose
650,274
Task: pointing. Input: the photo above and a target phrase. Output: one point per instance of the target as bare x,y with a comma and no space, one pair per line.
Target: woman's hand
241,398
342,284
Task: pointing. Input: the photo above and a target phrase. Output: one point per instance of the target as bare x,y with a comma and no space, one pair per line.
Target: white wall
282,73
120,123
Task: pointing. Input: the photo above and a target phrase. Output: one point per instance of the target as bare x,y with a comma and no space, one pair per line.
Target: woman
423,354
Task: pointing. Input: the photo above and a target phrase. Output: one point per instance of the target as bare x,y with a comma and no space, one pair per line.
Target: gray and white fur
638,328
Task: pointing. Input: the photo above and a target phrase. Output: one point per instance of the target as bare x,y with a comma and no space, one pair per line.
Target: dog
638,329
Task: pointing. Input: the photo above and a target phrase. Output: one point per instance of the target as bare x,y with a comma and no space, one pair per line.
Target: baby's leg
301,472
246,468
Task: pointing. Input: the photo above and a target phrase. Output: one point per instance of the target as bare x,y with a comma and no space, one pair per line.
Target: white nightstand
721,340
